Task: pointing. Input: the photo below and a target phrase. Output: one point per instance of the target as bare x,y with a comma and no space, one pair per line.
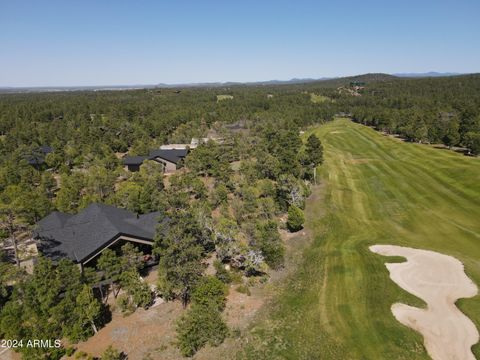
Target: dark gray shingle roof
37,157
134,160
45,149
80,236
171,155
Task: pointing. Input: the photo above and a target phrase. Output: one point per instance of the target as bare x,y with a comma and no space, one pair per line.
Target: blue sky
114,42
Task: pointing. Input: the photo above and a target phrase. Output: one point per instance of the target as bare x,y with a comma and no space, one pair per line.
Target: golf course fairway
375,189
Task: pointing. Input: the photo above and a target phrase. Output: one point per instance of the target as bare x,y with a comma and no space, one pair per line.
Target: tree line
437,110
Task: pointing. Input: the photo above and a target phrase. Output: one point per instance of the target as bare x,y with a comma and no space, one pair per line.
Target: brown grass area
139,334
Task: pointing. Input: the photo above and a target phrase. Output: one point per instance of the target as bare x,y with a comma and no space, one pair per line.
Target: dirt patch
138,333
8,354
287,235
150,334
120,155
440,281
241,308
152,275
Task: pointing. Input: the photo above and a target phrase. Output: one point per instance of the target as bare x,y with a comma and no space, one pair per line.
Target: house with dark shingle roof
82,237
132,163
168,158
37,157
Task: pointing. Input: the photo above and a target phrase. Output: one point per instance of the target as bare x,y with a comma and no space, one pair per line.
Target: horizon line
206,83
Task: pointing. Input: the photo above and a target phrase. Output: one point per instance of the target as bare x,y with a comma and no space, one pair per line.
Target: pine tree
198,326
180,253
451,136
314,151
13,215
472,141
111,265
87,308
295,218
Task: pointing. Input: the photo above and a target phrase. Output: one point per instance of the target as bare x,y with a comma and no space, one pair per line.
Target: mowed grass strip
379,190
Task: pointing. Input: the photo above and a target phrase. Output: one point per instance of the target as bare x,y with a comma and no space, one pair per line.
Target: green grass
318,98
224,97
378,190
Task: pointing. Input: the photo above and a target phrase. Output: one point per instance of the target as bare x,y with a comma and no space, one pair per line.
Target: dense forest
437,110
228,202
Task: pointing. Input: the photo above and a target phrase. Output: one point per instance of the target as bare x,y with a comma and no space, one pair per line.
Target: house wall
168,167
132,167
121,238
174,146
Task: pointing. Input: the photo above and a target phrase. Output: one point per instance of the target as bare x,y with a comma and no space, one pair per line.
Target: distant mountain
233,83
370,77
324,81
365,78
427,74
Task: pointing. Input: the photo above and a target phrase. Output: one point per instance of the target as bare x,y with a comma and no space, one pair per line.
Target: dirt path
440,281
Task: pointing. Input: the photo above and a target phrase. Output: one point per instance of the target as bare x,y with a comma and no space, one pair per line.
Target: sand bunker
439,280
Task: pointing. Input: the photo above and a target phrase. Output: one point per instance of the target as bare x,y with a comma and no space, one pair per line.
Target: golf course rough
375,190
440,281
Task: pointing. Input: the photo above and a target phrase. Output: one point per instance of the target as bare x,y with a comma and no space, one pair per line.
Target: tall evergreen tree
87,309
314,151
179,246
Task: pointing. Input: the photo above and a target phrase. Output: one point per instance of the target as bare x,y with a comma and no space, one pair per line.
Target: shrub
165,289
142,295
82,355
111,353
198,326
295,218
123,302
69,351
221,273
220,195
243,289
274,254
236,277
210,291
139,293
270,244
